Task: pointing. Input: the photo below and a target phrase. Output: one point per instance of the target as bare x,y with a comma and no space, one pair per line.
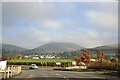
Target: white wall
3,64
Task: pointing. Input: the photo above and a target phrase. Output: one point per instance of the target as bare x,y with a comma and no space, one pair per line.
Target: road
50,74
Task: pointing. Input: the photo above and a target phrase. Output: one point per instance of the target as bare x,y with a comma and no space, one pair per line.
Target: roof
1,59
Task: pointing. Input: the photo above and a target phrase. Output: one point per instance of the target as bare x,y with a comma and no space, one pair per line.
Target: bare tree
18,56
100,55
78,60
86,56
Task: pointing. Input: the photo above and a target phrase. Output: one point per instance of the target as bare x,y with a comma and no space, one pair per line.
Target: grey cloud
85,38
34,38
36,10
29,38
40,12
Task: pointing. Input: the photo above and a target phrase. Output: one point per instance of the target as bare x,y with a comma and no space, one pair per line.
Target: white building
35,57
92,60
42,57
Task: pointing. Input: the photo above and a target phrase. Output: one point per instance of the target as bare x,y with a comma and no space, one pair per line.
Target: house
92,60
42,57
26,57
35,57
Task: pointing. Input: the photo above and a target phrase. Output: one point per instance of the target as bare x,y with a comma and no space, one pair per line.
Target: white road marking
61,76
65,78
58,74
28,77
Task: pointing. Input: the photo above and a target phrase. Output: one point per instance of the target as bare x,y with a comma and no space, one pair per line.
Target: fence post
11,71
15,70
5,73
20,69
8,69
46,64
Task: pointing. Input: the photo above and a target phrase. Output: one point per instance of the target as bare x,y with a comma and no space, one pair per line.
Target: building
92,60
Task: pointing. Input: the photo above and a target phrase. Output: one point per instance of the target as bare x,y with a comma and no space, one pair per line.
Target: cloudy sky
31,24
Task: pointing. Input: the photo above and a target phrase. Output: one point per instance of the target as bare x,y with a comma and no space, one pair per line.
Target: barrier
77,67
10,71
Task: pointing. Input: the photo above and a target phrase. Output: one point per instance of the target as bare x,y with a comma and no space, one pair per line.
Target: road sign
74,63
58,63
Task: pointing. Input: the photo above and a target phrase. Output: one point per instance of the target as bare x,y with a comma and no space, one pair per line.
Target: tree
100,55
18,56
114,60
7,56
78,60
86,57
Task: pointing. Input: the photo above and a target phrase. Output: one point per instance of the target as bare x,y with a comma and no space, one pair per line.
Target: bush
103,65
57,69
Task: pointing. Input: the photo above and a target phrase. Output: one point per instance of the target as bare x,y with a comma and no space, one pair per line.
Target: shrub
103,65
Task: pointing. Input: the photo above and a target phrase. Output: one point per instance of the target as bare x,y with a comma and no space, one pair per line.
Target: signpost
3,64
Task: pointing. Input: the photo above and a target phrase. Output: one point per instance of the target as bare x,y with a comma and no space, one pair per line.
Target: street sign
58,63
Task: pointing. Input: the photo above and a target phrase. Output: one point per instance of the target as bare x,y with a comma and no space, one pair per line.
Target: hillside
11,49
113,46
67,49
109,50
54,47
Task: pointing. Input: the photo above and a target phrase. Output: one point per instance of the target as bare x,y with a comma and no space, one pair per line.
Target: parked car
33,66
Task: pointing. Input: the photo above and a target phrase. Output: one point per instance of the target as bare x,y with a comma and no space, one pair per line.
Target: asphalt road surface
50,74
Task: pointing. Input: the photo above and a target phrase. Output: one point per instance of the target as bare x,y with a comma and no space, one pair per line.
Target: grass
40,60
27,66
86,70
81,70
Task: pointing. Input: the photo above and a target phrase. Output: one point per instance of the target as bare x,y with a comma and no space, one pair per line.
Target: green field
40,60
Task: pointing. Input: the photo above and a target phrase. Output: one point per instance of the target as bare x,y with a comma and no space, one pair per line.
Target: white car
33,66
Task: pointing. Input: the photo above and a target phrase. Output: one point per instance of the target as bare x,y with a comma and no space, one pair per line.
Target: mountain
112,46
11,49
109,50
54,47
68,49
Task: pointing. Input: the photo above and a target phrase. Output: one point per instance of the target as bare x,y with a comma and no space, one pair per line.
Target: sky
32,24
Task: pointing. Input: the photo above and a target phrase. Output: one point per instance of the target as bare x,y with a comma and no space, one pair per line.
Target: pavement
50,74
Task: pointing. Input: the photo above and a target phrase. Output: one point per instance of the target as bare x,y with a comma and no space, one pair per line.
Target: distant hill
54,47
68,49
107,49
11,49
113,46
